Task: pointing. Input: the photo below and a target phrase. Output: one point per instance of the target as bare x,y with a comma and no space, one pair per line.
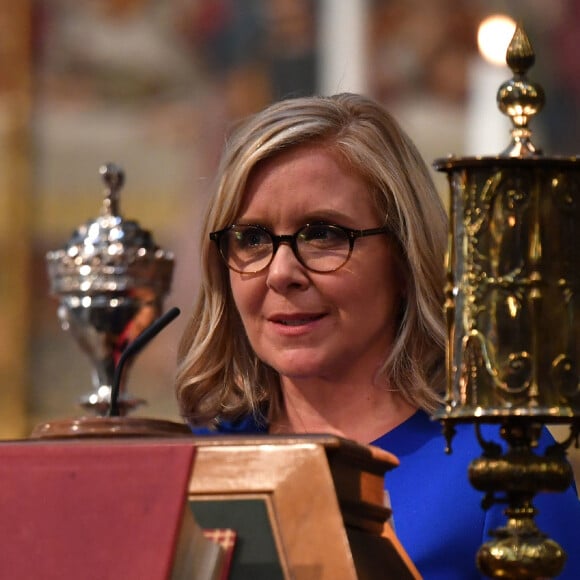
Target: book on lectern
97,512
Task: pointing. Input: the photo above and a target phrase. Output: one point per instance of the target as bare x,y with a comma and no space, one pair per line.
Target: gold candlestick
513,321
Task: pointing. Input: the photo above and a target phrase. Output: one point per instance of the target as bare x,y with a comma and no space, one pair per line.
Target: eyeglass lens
320,247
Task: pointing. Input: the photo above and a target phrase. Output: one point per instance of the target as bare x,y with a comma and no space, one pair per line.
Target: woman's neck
360,413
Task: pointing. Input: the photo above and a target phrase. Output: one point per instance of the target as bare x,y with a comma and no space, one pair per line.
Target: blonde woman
320,311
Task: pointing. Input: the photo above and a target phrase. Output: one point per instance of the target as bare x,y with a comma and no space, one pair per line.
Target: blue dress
437,513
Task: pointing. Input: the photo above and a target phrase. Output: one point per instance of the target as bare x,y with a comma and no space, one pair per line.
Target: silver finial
114,179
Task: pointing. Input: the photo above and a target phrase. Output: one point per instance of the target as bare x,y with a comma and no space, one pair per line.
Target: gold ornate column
15,211
512,318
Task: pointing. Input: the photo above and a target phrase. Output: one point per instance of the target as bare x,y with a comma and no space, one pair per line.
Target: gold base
519,550
518,554
84,427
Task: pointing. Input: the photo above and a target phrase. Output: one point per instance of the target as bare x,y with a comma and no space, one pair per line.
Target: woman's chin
300,368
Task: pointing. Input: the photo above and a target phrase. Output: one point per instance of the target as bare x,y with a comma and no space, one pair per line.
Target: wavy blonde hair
219,376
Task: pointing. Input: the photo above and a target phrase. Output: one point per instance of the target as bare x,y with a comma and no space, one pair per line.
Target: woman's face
317,325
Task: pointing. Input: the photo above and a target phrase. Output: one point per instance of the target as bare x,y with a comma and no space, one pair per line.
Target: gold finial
520,98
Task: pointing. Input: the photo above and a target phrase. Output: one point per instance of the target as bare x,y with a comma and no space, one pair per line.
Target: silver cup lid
110,253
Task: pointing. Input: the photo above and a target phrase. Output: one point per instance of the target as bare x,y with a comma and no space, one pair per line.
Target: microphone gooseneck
132,349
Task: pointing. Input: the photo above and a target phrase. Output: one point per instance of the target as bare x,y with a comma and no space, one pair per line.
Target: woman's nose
285,271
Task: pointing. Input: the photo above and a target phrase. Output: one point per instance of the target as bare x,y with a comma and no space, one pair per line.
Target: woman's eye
251,237
321,233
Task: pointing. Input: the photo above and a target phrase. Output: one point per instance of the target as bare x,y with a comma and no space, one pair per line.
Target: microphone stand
132,349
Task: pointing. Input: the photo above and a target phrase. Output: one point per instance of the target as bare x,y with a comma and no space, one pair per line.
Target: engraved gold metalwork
513,321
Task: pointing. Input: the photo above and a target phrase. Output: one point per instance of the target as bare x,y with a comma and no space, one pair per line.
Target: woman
320,311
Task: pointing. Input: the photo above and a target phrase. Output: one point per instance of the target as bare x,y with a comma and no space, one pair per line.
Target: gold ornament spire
519,98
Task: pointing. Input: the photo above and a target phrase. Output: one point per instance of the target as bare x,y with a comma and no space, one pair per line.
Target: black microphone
132,349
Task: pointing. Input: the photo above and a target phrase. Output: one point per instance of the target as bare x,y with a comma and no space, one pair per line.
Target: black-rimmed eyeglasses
249,249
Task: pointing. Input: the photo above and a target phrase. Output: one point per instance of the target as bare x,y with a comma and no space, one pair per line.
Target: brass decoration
513,321
520,98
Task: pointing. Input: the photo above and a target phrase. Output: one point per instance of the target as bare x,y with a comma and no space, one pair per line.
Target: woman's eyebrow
300,218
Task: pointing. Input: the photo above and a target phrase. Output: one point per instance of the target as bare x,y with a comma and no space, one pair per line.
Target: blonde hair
219,376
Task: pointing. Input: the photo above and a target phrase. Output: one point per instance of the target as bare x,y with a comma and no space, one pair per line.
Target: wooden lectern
311,506
303,507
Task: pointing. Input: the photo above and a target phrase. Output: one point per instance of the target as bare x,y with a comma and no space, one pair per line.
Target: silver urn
110,280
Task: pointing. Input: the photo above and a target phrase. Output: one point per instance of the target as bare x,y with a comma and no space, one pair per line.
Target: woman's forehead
309,182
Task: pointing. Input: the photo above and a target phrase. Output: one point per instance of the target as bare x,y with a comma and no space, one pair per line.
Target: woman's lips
291,320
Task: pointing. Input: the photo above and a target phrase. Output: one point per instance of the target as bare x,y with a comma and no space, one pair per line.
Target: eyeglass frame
291,240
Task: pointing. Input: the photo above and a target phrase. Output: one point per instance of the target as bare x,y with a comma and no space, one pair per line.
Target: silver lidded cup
110,279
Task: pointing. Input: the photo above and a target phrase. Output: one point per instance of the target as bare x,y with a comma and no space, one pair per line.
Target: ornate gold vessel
513,321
